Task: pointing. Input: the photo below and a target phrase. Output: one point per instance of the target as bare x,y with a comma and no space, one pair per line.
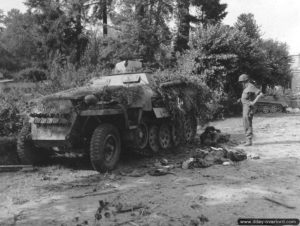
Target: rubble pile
207,157
211,152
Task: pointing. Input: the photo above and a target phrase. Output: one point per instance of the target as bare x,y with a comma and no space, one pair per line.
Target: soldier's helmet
243,78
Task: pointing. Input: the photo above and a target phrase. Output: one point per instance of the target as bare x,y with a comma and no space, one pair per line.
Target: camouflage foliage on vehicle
183,95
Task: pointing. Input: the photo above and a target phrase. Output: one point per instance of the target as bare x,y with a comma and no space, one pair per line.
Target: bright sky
7,5
279,19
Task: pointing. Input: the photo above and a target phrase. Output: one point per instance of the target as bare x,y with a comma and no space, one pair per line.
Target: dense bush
10,120
32,75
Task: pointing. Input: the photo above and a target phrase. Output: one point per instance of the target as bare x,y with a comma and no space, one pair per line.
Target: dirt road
268,187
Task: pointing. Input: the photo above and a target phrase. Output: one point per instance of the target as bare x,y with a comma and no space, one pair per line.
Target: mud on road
266,185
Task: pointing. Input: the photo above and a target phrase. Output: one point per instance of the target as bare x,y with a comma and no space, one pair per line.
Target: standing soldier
249,97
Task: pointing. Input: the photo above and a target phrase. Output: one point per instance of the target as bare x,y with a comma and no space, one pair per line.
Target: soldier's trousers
247,121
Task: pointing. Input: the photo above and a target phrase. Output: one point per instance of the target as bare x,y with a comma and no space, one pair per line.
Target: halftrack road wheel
190,128
273,109
105,148
153,138
265,109
27,152
165,136
279,108
142,136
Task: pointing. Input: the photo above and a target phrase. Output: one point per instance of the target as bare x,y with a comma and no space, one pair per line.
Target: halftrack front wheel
105,148
165,136
27,152
153,138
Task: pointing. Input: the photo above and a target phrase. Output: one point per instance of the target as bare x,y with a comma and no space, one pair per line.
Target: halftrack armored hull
271,104
102,119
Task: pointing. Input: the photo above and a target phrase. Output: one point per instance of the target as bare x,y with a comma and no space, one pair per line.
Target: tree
183,32
2,16
247,23
60,23
7,60
208,12
100,11
278,63
221,53
22,39
144,32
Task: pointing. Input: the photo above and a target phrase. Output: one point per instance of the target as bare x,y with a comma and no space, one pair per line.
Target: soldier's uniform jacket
248,95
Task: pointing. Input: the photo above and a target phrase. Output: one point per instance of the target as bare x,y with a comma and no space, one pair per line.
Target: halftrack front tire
105,148
28,153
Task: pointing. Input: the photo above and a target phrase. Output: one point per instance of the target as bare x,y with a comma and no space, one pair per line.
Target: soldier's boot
248,143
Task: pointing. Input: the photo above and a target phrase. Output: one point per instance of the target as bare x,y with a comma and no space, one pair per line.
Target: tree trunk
104,13
183,33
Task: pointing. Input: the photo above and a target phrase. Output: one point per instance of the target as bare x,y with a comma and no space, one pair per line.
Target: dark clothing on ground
249,94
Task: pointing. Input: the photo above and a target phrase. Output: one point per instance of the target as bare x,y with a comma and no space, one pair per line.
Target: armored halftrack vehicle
110,114
271,104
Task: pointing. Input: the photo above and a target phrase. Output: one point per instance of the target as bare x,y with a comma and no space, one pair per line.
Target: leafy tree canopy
247,23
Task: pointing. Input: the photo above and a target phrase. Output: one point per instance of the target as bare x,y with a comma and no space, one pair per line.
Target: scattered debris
106,192
107,212
164,162
109,185
226,163
134,173
237,155
125,208
204,158
201,220
160,172
195,206
188,163
52,178
126,223
104,211
253,156
279,203
194,185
